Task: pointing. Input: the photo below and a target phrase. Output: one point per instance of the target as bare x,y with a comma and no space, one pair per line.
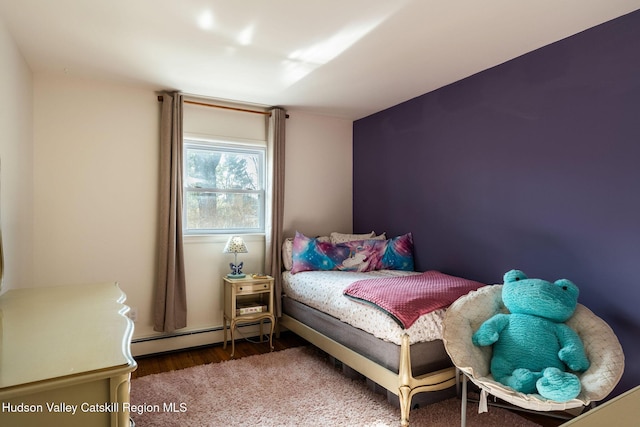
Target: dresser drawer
242,288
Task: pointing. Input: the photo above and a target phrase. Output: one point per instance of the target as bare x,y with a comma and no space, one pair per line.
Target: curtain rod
204,104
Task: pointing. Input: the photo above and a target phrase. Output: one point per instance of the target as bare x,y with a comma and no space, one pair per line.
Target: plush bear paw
522,380
574,358
558,385
485,337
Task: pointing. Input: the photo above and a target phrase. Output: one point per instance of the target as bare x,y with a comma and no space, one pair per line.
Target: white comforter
322,290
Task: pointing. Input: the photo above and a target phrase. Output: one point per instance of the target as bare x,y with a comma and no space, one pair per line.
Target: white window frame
230,146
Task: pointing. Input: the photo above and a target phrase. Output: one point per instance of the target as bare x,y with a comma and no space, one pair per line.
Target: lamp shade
235,245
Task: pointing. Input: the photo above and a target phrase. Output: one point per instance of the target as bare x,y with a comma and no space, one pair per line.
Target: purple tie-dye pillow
398,254
362,255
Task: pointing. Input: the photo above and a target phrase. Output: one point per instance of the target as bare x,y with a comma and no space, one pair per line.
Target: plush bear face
554,301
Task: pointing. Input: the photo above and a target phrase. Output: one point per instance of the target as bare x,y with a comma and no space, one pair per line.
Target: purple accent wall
533,164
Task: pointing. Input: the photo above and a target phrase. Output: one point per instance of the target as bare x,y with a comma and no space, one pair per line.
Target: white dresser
65,356
621,411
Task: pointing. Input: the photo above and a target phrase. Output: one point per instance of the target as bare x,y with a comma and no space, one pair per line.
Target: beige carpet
294,387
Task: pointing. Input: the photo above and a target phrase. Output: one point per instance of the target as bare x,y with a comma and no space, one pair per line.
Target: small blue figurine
236,270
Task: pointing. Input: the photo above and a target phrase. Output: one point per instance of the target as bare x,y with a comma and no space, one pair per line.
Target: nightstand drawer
252,287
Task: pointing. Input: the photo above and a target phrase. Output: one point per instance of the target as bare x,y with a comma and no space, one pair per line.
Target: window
224,188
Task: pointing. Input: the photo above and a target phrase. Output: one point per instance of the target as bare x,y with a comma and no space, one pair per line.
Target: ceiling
345,58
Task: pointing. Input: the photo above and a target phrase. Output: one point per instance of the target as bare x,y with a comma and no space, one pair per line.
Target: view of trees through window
224,189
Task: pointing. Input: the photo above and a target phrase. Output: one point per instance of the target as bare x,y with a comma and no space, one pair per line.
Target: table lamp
235,245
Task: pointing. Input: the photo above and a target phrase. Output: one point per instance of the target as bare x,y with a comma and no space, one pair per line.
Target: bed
404,361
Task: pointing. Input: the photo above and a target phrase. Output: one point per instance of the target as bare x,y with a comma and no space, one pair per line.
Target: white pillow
343,238
287,253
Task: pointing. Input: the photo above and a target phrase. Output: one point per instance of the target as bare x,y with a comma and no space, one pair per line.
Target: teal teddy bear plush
533,349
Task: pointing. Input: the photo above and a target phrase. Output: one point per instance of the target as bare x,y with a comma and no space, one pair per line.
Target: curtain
170,305
275,201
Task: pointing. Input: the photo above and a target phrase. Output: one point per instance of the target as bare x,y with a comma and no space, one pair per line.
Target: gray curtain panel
275,201
170,308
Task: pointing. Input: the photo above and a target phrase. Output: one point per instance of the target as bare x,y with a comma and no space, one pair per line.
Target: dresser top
57,332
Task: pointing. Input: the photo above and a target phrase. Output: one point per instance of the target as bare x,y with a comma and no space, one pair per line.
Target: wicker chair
466,315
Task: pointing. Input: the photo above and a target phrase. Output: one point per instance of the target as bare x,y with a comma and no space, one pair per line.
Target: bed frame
402,383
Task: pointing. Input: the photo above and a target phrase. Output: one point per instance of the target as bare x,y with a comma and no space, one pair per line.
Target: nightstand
248,300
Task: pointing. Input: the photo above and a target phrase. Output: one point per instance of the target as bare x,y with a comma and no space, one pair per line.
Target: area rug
293,387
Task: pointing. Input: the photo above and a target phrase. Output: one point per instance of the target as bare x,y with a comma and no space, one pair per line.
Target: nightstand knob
240,287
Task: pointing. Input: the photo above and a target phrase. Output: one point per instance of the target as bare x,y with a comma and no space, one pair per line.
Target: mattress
323,290
426,356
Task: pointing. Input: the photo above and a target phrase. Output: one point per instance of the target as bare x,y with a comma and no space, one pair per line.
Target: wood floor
171,361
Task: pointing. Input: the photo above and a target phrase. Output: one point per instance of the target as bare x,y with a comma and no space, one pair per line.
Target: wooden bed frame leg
405,404
405,385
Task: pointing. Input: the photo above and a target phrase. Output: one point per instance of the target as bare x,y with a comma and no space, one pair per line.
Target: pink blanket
406,298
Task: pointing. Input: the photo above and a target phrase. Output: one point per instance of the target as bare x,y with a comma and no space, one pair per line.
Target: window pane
222,211
201,168
224,170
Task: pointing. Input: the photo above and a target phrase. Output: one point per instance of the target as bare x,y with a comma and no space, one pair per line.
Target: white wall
16,169
95,198
96,194
318,181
